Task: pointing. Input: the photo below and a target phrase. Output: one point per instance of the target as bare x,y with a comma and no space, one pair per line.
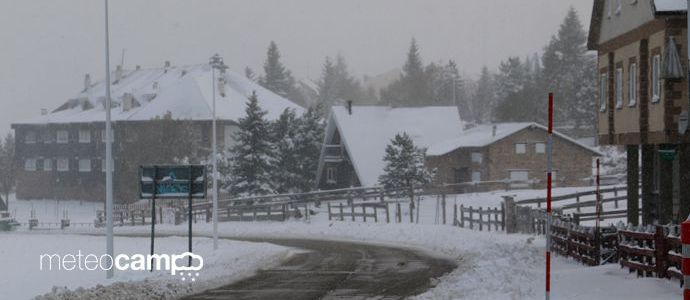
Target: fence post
660,252
398,213
284,212
412,211
462,215
376,217
509,217
388,216
496,222
615,195
577,201
352,209
342,217
685,263
471,218
364,213
329,211
443,207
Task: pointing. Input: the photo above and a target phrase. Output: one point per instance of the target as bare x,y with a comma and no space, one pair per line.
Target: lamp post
108,152
216,62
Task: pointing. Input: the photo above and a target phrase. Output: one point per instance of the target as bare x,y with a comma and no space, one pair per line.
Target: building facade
508,155
160,116
642,63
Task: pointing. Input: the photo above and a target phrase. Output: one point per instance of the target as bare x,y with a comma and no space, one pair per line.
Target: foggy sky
47,46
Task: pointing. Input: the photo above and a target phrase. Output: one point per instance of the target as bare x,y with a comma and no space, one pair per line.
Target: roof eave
595,24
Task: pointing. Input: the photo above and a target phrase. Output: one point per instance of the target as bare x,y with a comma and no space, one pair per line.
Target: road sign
173,181
181,182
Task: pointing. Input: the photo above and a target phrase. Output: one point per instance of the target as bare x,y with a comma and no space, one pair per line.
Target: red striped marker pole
549,162
685,263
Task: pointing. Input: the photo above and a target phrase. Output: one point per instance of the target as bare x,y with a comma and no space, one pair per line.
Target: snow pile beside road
491,265
20,253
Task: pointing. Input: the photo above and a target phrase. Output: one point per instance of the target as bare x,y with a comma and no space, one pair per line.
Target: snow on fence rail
584,244
341,212
477,218
651,250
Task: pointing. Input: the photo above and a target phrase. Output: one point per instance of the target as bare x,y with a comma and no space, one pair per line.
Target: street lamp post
216,62
108,151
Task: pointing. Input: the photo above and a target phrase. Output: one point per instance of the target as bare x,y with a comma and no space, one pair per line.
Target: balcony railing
334,153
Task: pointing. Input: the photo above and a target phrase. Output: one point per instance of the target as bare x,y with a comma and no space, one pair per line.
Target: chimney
118,74
44,111
87,82
493,130
349,107
127,100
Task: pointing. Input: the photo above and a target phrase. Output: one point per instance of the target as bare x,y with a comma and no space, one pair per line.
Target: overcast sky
47,46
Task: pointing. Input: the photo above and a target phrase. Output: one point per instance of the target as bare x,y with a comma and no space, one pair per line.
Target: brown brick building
509,155
641,47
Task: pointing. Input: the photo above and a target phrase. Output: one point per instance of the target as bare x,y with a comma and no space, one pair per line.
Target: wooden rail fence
479,218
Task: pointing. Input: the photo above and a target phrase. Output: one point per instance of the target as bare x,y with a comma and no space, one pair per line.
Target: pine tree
518,93
484,99
336,84
308,141
414,86
404,164
286,168
570,72
253,158
276,77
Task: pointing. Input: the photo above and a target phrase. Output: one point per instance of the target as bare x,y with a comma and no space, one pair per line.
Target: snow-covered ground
492,265
20,257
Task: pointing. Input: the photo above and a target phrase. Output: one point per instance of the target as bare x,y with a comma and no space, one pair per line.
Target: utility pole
108,152
216,62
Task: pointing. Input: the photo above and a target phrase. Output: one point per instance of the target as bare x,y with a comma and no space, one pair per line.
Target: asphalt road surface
337,270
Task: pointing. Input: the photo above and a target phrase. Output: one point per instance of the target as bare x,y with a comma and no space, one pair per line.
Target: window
603,91
63,164
62,136
540,148
519,178
520,148
84,136
476,176
47,164
30,137
30,164
460,175
632,85
477,157
656,82
330,175
619,88
47,137
84,165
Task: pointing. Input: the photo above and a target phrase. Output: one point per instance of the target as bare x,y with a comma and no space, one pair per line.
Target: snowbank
20,253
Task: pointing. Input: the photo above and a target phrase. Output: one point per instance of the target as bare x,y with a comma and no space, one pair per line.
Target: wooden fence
342,212
651,251
479,218
584,244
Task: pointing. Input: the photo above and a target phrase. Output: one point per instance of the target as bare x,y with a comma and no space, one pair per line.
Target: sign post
173,182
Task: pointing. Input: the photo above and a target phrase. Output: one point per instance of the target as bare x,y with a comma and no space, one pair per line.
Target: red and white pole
685,263
598,201
549,162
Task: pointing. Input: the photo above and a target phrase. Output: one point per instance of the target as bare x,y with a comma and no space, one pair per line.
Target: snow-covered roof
185,92
670,5
483,135
366,132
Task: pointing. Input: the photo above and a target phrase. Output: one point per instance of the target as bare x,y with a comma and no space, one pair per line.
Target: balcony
334,153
